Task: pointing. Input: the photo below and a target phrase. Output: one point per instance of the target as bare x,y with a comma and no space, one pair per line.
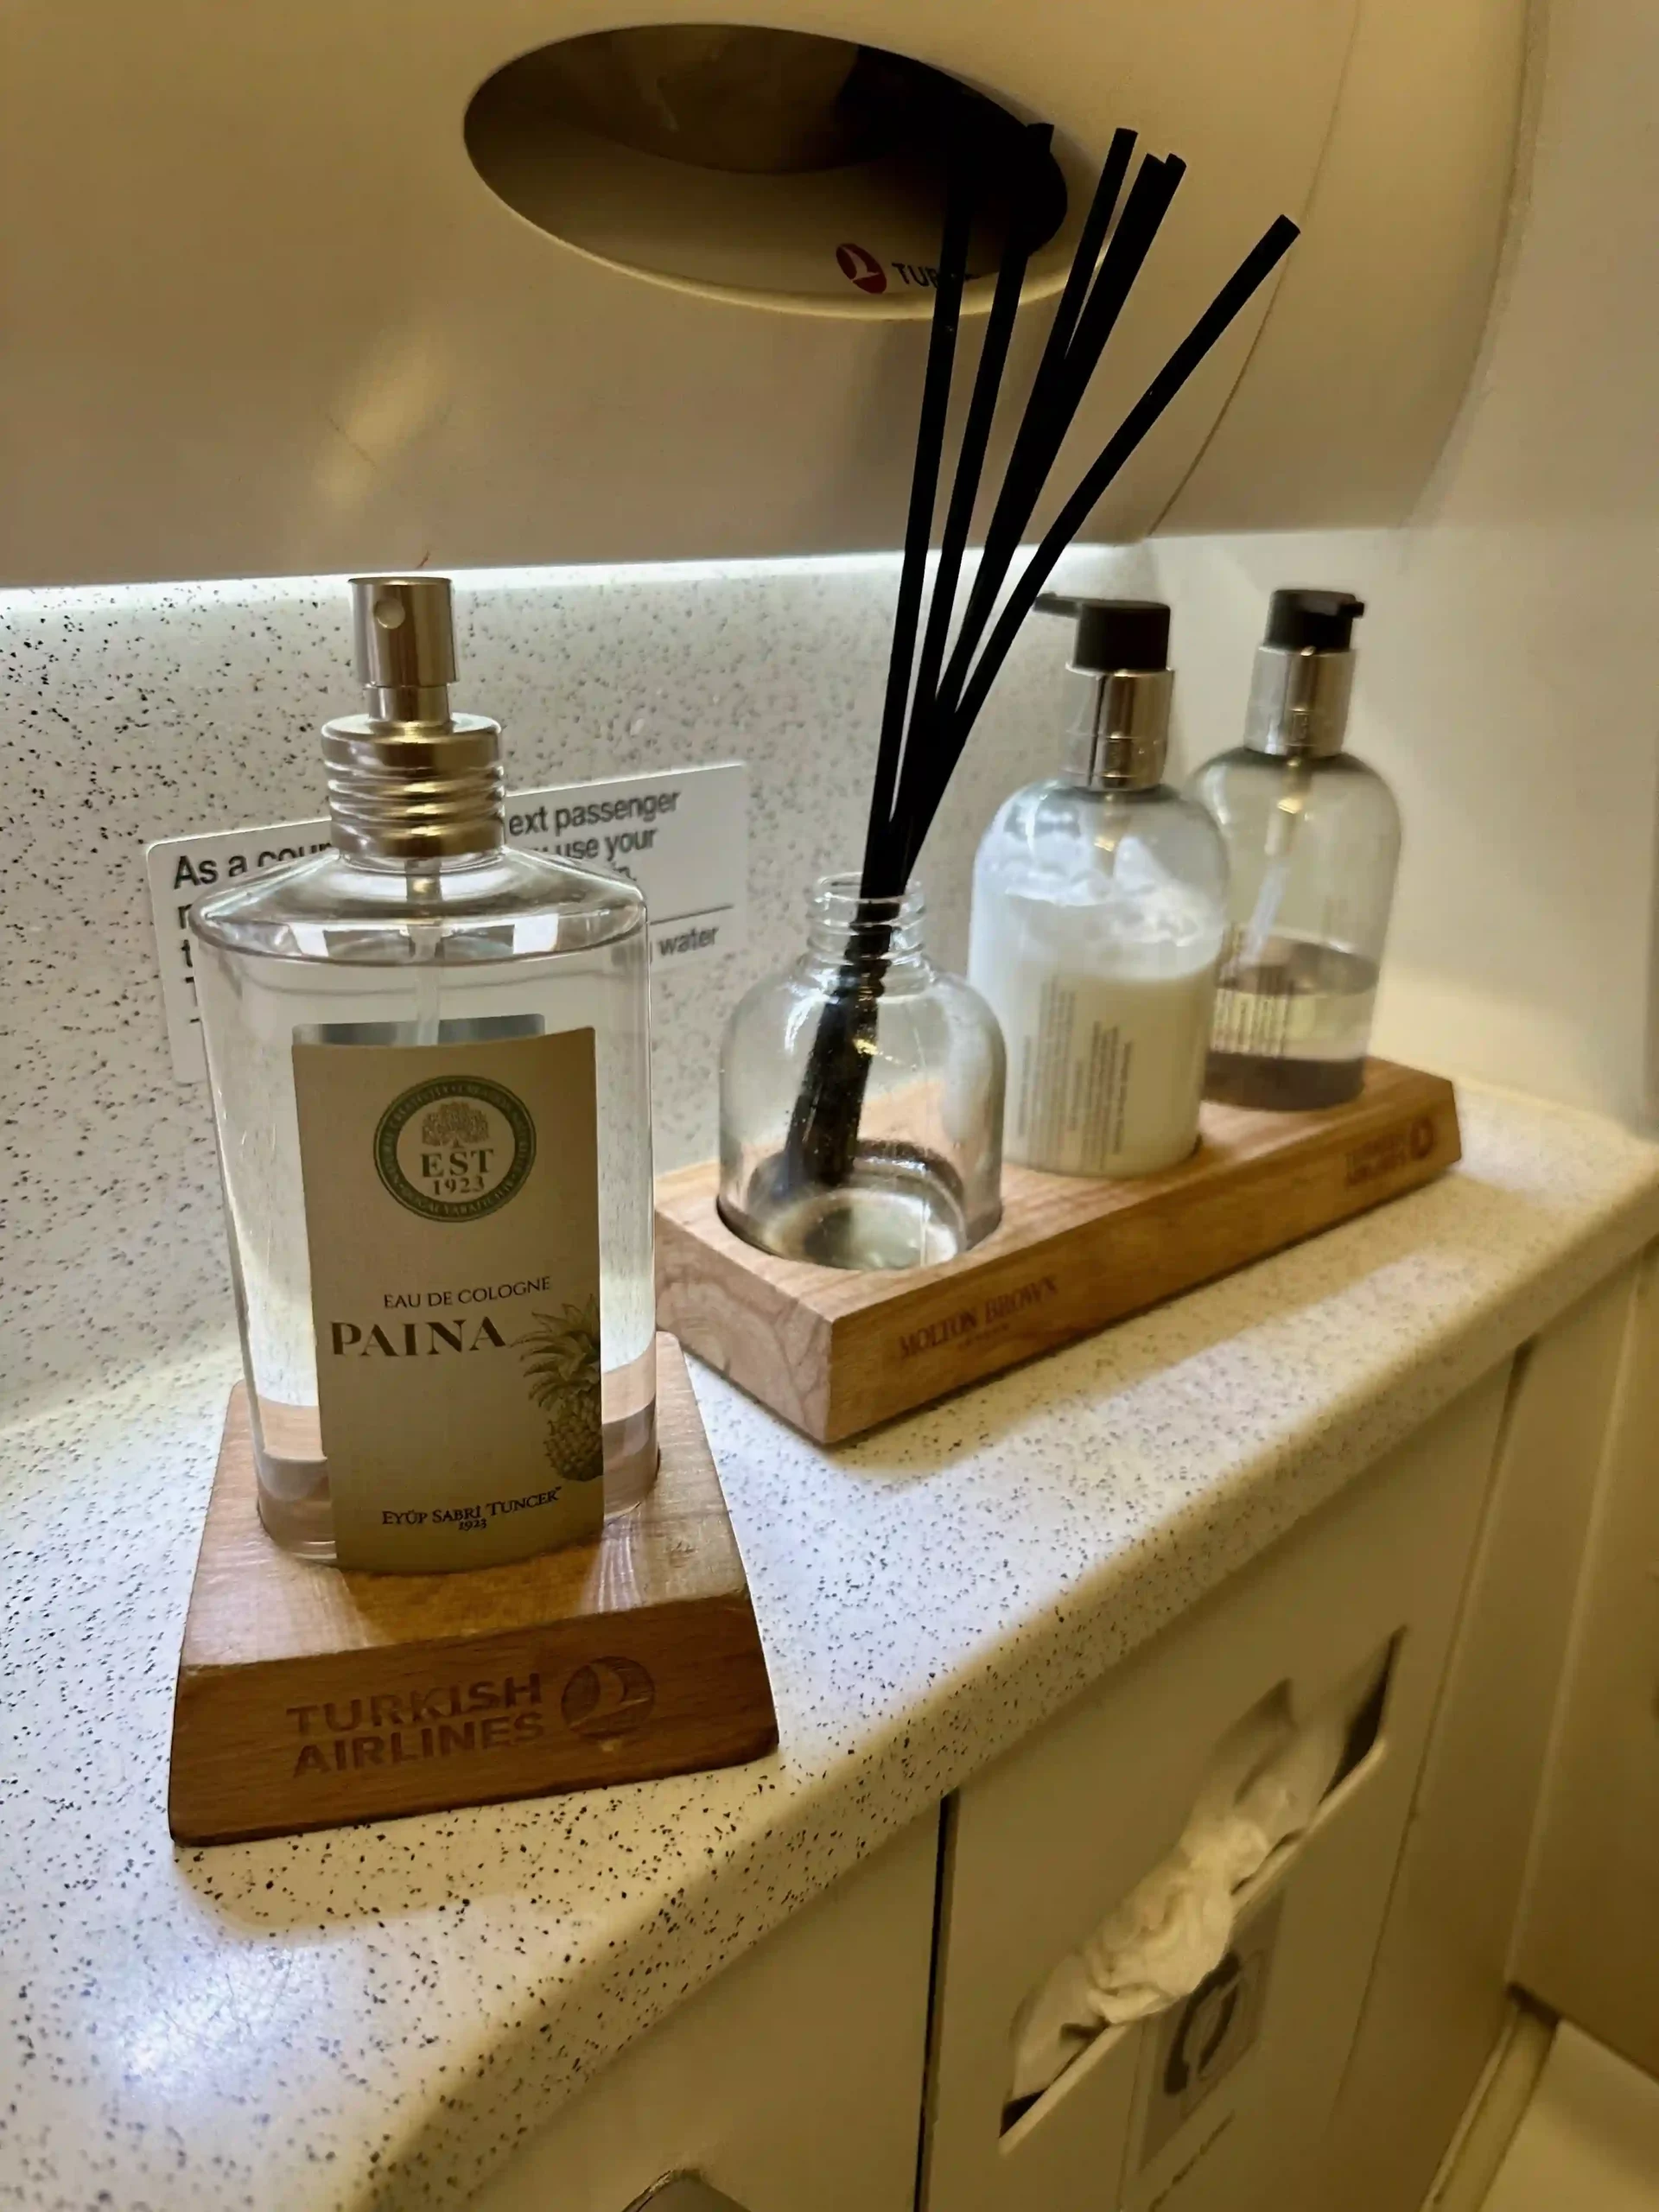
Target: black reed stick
1086,259
1251,273
1078,341
821,1147
1150,199
1043,432
887,879
919,752
1073,294
924,496
1049,413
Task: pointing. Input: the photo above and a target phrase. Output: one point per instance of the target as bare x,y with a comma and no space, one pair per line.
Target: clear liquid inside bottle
860,1097
497,945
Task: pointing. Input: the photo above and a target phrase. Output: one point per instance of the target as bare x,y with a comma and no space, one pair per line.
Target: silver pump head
1304,676
410,781
1117,735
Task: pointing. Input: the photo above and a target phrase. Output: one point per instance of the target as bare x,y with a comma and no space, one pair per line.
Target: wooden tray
307,1697
835,1351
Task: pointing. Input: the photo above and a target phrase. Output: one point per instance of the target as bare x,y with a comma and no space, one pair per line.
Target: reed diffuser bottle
430,1073
1314,842
850,1134
1099,907
912,1174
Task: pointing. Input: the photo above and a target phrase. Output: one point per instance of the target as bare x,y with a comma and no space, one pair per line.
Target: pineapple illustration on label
560,1356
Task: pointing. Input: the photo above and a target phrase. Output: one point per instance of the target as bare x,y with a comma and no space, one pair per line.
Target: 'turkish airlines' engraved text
391,1730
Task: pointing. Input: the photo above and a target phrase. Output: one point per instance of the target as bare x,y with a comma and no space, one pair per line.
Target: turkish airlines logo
607,1697
862,268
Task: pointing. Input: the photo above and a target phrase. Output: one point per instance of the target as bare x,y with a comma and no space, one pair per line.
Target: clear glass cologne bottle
1099,905
1313,842
429,1062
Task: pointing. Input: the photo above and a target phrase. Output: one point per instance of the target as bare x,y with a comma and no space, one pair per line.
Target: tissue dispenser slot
1266,1787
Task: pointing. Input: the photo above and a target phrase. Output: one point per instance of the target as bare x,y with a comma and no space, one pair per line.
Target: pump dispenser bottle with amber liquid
1313,838
429,1060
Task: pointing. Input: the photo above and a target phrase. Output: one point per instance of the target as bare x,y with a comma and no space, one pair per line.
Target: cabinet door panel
1590,1927
792,2083
1047,1843
1438,1996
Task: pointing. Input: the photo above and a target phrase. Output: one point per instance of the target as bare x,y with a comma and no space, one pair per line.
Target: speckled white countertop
374,2015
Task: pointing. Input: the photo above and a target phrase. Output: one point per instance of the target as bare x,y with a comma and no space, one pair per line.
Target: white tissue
1262,1788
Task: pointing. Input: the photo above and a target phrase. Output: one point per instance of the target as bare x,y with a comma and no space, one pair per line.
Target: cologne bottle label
452,1214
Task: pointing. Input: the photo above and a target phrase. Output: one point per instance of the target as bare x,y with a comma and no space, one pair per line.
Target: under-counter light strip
219,591
597,575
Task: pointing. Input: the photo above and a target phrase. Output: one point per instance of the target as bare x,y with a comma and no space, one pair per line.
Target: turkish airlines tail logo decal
860,267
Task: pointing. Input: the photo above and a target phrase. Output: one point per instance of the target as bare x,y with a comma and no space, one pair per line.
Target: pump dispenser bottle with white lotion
1313,842
1099,904
430,1071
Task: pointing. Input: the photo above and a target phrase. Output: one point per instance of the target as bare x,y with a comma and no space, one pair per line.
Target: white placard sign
684,837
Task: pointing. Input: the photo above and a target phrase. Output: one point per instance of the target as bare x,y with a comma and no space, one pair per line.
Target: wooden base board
307,1697
835,1351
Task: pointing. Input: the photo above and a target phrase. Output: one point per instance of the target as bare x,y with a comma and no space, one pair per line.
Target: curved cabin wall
265,316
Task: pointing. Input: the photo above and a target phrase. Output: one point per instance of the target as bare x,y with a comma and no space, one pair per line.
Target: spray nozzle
404,629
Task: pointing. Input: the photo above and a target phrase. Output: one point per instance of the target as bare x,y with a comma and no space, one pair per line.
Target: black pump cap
1113,633
1313,621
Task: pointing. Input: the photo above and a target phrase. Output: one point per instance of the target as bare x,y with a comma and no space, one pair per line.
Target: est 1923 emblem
456,1148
